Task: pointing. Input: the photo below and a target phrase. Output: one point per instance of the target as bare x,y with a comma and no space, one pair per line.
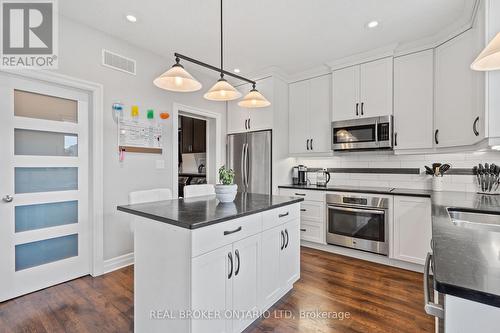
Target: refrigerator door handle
243,164
431,308
247,167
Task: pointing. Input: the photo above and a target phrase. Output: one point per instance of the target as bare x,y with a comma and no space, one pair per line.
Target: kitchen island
204,266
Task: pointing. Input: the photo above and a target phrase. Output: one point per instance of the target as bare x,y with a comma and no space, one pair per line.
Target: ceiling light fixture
131,18
179,80
489,59
372,24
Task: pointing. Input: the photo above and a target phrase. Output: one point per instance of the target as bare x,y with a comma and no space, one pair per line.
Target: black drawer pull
283,215
303,229
303,210
232,231
300,194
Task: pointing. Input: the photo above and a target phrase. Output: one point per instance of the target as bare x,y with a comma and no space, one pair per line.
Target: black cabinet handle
362,108
230,256
312,144
395,139
232,231
246,124
436,136
474,127
357,109
282,240
307,144
303,229
287,238
249,126
300,194
283,215
303,210
237,253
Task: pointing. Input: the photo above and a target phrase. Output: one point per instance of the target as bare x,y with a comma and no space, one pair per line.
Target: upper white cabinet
363,90
414,101
309,115
412,229
245,119
460,91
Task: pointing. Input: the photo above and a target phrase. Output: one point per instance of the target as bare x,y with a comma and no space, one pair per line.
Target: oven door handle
355,210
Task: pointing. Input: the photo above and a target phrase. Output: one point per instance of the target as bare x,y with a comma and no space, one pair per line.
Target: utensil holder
437,183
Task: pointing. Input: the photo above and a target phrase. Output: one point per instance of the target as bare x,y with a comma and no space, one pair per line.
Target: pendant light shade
222,91
177,79
254,99
489,59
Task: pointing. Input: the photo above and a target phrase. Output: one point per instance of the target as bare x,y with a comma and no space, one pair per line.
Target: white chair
191,191
157,194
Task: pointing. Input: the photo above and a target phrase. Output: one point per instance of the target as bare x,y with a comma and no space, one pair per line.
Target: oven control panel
355,201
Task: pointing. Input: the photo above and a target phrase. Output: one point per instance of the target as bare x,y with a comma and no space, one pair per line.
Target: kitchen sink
475,219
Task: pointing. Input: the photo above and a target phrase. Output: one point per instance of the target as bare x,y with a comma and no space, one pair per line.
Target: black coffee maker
299,175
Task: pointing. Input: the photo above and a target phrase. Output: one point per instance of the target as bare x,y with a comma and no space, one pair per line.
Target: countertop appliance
322,178
302,175
250,156
363,134
358,221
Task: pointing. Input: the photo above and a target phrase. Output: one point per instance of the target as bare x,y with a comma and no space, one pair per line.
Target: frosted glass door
44,238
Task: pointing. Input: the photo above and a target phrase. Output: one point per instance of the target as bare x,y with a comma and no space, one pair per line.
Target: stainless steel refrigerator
250,156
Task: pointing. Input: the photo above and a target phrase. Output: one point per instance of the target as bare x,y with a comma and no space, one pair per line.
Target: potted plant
226,190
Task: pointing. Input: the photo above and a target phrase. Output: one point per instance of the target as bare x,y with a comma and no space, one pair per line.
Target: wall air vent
118,62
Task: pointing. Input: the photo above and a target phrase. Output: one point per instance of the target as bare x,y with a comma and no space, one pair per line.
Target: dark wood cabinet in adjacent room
194,135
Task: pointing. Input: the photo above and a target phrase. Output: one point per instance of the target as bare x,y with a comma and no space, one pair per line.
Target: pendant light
222,90
254,99
177,79
489,59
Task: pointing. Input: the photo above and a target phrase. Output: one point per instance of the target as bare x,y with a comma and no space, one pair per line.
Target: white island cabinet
217,268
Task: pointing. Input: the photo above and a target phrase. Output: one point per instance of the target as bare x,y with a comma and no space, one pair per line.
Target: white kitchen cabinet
212,289
376,88
251,119
485,318
280,243
309,116
246,289
412,229
414,101
363,90
460,91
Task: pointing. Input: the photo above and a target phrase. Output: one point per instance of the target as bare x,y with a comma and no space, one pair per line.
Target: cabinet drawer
312,210
306,194
277,216
311,232
212,237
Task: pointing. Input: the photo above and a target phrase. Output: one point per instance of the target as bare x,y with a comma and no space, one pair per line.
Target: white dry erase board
139,136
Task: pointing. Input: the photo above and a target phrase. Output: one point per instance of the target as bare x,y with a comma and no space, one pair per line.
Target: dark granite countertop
362,189
194,213
466,260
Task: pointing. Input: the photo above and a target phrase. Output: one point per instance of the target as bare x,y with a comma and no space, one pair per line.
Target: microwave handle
355,210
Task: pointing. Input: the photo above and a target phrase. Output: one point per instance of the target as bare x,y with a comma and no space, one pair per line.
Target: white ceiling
294,35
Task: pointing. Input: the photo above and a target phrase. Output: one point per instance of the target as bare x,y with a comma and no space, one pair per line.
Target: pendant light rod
214,68
221,43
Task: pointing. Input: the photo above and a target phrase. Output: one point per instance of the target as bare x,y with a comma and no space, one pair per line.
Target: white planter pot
437,183
226,193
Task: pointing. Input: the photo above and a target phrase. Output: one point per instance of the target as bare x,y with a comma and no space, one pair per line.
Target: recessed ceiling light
372,24
236,70
131,18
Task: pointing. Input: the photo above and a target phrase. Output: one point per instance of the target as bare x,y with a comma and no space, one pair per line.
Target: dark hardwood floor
376,297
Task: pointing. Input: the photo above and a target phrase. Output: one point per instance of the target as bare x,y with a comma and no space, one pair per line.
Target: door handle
312,144
362,108
8,198
303,210
249,126
432,309
436,139
287,238
307,144
247,164
246,126
230,256
282,240
395,139
303,229
243,173
357,109
474,127
237,254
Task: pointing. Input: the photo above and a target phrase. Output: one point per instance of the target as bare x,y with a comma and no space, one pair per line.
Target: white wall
422,181
80,50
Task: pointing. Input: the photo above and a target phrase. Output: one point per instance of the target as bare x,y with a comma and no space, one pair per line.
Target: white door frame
95,90
175,138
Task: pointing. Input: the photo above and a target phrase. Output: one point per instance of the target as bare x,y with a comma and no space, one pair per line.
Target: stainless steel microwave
362,134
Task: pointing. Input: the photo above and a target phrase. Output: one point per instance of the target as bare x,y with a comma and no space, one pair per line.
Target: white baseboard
364,256
118,262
